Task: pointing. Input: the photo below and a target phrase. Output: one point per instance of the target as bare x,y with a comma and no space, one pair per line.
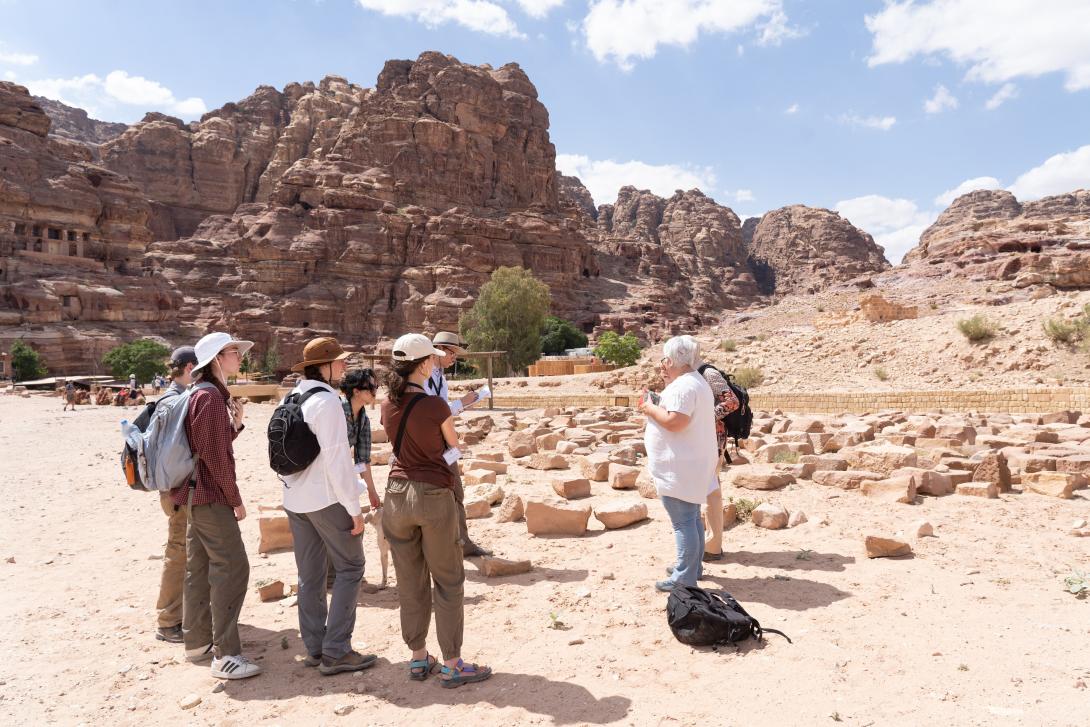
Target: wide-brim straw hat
451,340
320,351
210,346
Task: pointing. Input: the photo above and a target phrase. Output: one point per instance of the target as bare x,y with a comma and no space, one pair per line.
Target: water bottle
125,427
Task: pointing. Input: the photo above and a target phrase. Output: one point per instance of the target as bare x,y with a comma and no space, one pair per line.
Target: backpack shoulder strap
404,421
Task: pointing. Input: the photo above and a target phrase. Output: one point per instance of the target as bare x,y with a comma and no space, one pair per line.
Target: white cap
209,347
413,346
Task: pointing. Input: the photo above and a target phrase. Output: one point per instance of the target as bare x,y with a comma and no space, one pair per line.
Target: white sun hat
209,347
413,346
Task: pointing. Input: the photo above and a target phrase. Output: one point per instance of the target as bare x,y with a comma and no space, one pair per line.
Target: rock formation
72,241
801,249
572,192
988,234
69,122
392,219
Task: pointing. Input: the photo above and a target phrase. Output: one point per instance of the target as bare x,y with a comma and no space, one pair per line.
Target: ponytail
397,378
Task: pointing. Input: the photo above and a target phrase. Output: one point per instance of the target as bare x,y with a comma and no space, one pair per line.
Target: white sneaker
201,653
234,667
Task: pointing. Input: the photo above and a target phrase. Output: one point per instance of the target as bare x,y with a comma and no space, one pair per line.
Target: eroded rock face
72,240
233,155
990,235
391,223
801,249
72,123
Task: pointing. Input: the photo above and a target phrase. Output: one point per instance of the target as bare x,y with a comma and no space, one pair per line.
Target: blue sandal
419,669
463,674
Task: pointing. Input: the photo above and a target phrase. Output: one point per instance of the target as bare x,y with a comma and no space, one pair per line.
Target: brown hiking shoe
352,661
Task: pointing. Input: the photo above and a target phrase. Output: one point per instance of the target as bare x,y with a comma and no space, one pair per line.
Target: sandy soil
975,629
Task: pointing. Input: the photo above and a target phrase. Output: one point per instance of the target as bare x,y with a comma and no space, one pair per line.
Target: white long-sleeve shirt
331,477
436,385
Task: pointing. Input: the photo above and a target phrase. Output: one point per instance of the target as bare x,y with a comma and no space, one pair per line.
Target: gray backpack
160,458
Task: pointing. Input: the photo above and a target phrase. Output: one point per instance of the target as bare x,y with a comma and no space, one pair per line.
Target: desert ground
975,628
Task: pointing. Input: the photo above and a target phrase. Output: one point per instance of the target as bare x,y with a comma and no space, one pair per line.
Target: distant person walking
323,506
69,396
681,453
217,570
420,516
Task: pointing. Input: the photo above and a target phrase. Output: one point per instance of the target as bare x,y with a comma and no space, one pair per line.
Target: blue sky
873,108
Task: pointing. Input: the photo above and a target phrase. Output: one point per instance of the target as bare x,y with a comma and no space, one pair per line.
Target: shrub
144,358
621,350
558,335
729,346
26,363
749,377
880,373
744,507
977,329
1061,331
508,316
270,360
785,458
762,337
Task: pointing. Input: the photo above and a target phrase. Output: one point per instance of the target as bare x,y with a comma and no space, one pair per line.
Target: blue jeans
689,536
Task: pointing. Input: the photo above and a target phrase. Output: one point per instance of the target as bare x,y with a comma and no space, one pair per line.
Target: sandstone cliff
990,235
72,123
801,249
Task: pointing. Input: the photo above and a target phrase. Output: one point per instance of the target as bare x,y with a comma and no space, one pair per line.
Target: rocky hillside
72,123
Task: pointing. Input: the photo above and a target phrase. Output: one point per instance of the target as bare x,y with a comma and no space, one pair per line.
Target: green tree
621,350
270,360
26,363
508,316
559,335
144,358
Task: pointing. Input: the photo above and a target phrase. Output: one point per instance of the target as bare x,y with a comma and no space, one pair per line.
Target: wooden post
491,393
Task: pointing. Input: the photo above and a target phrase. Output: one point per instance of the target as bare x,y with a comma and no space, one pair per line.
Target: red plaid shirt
210,432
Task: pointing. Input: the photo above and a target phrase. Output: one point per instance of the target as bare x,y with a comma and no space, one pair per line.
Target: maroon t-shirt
423,445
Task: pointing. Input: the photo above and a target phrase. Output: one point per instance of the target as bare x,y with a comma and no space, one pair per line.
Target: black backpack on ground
739,422
292,446
707,618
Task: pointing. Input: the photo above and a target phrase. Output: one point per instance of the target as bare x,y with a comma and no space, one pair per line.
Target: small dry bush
977,329
880,373
786,458
749,377
729,346
745,506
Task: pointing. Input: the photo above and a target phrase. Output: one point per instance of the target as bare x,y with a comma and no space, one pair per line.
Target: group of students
206,570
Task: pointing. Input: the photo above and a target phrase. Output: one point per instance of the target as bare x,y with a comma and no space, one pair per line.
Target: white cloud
743,195
17,59
943,100
1004,94
538,8
1060,173
999,40
969,185
896,224
624,31
604,177
792,109
482,16
117,97
10,75
883,123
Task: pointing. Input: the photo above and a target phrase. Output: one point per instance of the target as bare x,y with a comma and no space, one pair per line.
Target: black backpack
292,446
708,618
739,422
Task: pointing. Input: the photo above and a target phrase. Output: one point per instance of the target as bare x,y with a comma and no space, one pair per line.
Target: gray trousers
324,536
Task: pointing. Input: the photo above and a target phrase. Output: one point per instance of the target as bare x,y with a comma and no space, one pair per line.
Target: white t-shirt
683,463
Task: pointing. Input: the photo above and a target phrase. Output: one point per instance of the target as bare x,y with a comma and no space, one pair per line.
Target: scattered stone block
477,508
510,510
492,567
189,701
620,513
928,482
993,468
769,516
491,493
556,518
272,591
595,467
1053,484
500,468
923,529
379,436
566,447
978,489
758,477
798,517
730,514
547,461
522,443
625,455
547,441
884,458
490,456
824,462
893,489
879,547
646,486
479,477
275,533
846,479
623,477
571,488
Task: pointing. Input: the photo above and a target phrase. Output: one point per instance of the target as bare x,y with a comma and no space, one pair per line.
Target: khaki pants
714,543
460,498
217,573
421,525
171,583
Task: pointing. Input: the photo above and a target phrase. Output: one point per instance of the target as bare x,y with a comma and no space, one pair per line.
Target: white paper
483,393
452,455
361,467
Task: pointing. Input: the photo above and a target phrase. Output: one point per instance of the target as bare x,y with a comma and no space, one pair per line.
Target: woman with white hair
681,452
